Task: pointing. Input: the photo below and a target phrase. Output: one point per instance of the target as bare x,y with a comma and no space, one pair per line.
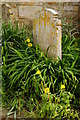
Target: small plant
57,106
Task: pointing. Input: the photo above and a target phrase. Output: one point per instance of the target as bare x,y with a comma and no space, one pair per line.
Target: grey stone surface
40,0
47,32
28,11
68,8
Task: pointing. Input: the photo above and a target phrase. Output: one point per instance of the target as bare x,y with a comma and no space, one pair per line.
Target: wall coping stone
39,0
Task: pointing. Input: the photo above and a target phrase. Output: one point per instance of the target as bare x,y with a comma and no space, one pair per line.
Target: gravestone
5,13
47,32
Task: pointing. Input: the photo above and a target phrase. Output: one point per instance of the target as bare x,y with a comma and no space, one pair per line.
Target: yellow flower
62,87
28,40
38,72
46,90
29,44
9,10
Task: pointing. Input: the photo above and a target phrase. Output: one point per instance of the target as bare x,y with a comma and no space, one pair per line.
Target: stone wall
24,12
79,17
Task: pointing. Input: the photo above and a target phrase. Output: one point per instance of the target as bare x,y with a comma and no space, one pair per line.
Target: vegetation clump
34,82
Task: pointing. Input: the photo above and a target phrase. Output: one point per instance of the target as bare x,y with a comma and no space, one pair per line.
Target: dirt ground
3,115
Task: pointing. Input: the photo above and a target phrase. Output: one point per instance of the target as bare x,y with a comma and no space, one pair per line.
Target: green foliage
27,71
57,106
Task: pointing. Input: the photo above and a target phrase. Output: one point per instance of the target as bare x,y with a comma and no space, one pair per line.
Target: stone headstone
5,12
47,32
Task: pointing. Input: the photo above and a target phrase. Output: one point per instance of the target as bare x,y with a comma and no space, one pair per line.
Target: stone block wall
24,12
79,17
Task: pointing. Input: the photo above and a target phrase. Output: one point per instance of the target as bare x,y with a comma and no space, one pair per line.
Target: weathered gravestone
5,13
47,32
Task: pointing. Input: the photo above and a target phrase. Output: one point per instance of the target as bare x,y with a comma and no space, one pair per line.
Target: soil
3,115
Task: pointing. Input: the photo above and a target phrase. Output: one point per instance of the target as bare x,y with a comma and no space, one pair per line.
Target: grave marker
47,31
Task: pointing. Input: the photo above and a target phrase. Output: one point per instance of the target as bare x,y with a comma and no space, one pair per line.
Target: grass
33,82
